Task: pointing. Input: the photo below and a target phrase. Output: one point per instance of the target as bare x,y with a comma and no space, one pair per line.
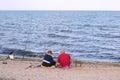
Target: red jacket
64,60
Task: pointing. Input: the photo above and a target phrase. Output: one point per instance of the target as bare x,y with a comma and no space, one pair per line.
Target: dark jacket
48,61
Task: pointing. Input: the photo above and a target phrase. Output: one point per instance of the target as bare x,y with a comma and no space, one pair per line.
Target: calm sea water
86,35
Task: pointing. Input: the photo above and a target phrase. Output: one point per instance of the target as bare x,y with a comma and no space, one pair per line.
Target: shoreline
74,62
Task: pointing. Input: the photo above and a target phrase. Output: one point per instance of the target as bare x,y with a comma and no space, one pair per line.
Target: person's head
62,52
11,53
49,52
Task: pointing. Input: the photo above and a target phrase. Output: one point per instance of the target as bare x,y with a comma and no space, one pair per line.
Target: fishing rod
27,38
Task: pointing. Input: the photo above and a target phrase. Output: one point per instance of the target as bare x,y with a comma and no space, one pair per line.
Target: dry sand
16,70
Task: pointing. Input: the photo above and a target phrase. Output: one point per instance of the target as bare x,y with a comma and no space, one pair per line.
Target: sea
85,35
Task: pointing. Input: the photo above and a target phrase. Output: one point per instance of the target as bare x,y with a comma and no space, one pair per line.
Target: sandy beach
19,69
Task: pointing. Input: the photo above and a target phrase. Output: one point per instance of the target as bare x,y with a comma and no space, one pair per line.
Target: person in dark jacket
48,60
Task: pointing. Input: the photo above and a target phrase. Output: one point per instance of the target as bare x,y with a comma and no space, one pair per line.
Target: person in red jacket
64,59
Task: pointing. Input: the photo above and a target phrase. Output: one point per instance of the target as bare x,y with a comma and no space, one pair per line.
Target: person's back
64,59
48,60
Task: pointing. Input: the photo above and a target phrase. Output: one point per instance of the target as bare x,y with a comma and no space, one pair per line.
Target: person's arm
51,60
57,62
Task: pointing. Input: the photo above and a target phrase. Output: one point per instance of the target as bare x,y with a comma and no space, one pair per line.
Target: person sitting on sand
48,60
64,59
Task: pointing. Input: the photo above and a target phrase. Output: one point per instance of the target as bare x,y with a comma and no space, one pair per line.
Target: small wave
57,36
66,31
2,34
